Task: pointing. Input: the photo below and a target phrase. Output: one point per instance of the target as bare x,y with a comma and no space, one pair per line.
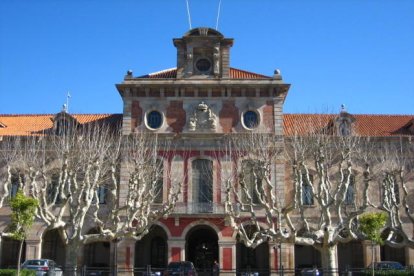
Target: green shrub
13,272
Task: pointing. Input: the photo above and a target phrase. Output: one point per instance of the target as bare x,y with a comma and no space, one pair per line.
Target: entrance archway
97,254
10,252
306,256
251,260
202,248
152,250
350,255
389,253
53,247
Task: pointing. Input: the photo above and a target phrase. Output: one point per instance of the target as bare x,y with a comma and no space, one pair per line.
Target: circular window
154,119
203,65
250,119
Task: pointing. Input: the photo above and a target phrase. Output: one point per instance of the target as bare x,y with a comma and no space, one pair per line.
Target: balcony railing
199,208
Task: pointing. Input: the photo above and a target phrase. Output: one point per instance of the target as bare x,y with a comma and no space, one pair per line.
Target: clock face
203,65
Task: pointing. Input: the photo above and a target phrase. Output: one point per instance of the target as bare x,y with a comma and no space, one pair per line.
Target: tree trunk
71,259
329,260
19,257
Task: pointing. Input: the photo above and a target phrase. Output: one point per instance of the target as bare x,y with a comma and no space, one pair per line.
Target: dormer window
344,123
63,123
62,127
203,52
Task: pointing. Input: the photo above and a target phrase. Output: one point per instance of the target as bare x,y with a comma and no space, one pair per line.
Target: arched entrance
53,247
97,254
389,253
202,248
152,250
350,255
306,256
251,260
10,252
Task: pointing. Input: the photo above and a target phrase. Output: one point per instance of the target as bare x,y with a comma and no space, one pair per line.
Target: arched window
202,170
350,192
53,189
251,178
17,182
158,181
307,195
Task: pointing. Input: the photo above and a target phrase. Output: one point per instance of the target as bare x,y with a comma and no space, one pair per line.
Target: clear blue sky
356,52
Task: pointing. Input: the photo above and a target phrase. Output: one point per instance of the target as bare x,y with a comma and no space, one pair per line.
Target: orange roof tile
234,74
39,123
365,125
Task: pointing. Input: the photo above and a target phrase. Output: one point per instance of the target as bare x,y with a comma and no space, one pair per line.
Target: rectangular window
202,181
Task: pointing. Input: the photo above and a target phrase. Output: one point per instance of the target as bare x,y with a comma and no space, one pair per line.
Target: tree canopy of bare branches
91,178
319,207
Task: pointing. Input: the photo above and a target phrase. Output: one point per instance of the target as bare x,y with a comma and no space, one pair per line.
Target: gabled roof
38,124
365,125
234,74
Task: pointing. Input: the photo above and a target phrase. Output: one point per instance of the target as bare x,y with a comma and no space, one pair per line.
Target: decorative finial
64,108
343,109
277,75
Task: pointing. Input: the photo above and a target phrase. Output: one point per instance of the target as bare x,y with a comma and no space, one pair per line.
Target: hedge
13,272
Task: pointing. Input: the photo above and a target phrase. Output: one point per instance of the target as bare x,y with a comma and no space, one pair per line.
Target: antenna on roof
218,14
66,106
188,13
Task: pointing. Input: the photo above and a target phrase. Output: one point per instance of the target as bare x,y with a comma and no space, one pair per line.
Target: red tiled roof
234,74
365,125
38,124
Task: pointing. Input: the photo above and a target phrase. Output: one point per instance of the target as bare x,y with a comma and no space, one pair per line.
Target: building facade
194,105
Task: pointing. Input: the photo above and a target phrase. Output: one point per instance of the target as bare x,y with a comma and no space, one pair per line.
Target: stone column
368,250
227,257
123,252
281,254
409,256
33,249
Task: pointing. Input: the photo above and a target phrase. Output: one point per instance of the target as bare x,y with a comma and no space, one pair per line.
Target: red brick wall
229,116
175,254
176,116
227,259
136,115
268,115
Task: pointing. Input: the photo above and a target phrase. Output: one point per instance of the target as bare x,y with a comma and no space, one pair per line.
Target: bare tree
68,173
322,207
394,174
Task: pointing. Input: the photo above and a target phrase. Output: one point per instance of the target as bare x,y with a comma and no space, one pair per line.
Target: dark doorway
53,247
251,260
307,256
152,250
10,252
202,248
390,253
97,254
350,255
